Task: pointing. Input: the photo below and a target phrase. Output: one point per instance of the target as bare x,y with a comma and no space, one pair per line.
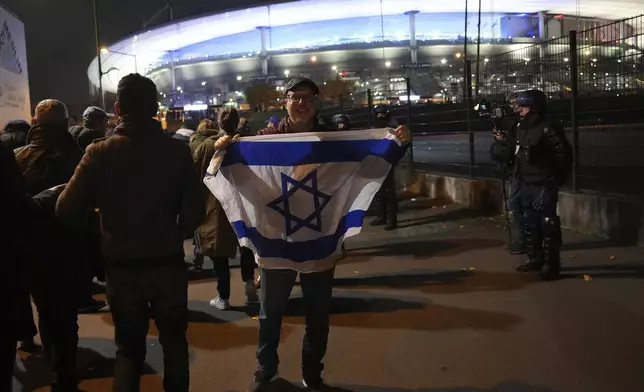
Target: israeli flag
294,198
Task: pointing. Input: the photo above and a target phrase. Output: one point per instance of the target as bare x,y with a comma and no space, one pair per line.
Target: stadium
374,44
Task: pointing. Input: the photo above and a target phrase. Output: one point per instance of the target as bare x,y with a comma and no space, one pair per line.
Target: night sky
60,37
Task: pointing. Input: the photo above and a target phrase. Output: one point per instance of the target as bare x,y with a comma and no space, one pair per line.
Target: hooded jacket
49,158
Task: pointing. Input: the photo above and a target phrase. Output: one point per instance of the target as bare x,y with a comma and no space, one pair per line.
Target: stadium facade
212,58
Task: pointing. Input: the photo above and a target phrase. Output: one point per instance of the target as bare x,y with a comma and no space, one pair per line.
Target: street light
335,68
443,61
203,83
239,77
314,59
388,64
107,50
286,72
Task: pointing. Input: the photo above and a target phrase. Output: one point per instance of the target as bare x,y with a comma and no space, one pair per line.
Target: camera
494,109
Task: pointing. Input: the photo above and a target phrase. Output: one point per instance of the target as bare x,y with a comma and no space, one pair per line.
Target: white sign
14,81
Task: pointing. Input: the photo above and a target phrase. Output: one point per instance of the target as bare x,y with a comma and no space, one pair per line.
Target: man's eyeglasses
301,98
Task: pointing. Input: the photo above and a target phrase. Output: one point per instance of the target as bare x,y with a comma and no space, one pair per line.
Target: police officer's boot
551,245
533,240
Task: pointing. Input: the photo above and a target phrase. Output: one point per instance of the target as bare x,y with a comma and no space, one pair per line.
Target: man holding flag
345,187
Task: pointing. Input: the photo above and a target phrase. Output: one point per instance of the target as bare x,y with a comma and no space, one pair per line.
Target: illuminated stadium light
335,67
203,83
239,77
443,61
388,64
403,98
190,108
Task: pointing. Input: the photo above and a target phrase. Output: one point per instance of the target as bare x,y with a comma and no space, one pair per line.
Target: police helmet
341,121
535,99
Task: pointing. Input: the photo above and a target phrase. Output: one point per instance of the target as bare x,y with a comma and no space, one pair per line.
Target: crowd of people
115,206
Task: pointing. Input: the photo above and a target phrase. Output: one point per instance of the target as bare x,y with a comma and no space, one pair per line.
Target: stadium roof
148,47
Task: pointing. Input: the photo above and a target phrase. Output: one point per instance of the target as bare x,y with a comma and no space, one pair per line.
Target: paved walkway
434,306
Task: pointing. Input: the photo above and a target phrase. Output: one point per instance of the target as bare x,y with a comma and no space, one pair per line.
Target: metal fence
607,61
578,72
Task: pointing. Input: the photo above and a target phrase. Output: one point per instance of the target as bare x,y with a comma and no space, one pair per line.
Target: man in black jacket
543,163
15,133
14,210
148,195
48,160
385,201
94,126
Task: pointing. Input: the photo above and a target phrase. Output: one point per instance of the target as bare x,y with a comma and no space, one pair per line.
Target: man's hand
402,133
223,142
58,189
498,135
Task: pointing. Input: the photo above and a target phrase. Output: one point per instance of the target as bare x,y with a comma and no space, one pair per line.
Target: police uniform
543,163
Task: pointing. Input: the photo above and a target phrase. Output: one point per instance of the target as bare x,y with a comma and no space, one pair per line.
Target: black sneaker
92,306
316,386
516,248
261,384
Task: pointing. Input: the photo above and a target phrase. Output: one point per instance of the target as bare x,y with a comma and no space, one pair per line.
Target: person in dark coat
94,126
15,133
15,212
147,193
48,160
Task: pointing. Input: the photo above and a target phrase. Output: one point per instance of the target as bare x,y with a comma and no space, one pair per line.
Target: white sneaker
219,303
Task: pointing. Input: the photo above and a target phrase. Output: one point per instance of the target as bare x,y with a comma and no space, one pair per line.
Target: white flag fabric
294,198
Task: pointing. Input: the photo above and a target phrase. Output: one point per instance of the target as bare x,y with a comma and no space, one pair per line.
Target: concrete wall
614,217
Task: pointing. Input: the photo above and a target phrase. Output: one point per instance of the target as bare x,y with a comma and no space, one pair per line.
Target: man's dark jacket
145,187
13,139
49,158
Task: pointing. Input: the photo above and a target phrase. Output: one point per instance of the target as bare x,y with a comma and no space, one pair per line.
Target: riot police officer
542,164
385,202
502,152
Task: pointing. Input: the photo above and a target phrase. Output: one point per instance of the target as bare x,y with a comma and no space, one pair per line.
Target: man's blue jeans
274,294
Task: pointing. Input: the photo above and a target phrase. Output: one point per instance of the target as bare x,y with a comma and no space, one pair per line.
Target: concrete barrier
615,217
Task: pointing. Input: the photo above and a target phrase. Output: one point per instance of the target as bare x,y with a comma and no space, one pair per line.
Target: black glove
539,202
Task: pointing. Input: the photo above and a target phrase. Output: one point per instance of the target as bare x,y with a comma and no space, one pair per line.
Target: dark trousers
222,271
386,203
274,294
7,361
136,290
515,206
58,325
542,225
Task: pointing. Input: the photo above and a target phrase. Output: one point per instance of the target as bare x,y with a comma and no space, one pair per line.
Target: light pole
107,50
98,56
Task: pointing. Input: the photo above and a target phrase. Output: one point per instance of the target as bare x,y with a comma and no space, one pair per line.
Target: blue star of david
281,204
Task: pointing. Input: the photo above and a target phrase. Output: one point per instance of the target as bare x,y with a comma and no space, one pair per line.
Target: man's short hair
137,96
51,111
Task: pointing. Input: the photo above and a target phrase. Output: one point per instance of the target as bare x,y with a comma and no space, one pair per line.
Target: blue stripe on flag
316,249
310,152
